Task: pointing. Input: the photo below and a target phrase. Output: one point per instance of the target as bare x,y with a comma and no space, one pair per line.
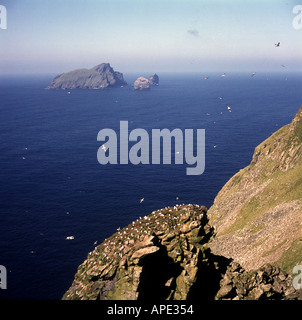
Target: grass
292,256
276,247
280,152
284,187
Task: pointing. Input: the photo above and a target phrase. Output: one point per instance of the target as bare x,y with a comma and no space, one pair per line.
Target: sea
57,202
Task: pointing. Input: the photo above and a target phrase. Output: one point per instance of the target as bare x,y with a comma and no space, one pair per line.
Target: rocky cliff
176,254
165,256
258,213
157,255
99,77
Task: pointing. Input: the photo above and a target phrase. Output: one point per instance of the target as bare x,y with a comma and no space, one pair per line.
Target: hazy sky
53,36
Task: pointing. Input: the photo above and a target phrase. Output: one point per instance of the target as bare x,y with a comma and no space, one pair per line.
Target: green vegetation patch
292,256
284,187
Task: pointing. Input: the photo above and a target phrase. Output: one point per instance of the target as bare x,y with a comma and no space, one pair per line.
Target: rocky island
143,83
243,248
99,77
154,80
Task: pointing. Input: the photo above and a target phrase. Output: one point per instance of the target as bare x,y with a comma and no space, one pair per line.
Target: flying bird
104,148
277,44
223,75
141,200
254,74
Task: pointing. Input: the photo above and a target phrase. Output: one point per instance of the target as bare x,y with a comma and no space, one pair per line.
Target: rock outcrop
154,80
159,254
165,255
267,283
99,77
176,254
258,213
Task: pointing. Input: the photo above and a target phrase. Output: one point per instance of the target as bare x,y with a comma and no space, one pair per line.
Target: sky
54,36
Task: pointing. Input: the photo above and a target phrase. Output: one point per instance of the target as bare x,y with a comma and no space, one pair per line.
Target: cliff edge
258,213
164,256
156,256
175,253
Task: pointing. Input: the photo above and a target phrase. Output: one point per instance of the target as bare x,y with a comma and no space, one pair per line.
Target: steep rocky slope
258,213
157,255
165,256
176,254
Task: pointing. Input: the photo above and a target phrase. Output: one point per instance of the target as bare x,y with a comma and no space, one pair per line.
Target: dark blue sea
52,186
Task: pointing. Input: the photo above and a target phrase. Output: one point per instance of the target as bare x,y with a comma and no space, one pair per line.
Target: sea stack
154,80
99,77
141,83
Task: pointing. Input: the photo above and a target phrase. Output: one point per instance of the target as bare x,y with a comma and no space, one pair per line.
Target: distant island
142,83
99,77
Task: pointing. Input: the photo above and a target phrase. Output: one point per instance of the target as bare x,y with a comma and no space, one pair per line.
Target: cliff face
99,77
157,256
176,253
165,256
258,213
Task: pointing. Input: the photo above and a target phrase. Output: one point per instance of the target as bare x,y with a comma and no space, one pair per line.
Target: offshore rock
141,83
154,80
99,77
